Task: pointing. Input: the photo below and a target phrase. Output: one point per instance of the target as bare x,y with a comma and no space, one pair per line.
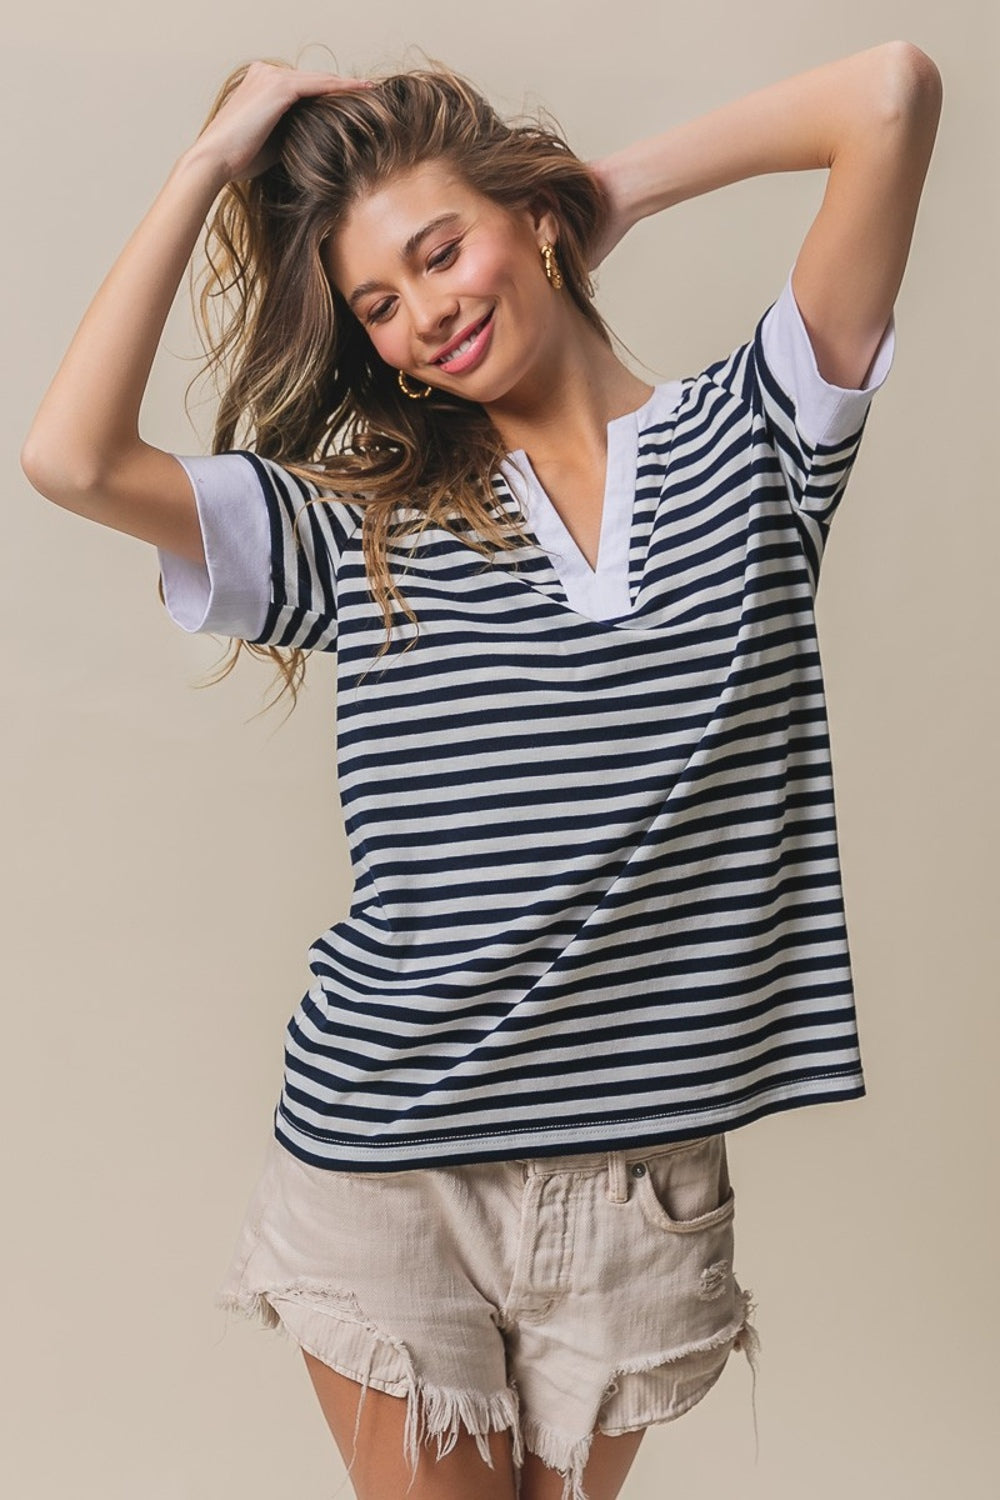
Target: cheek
487,270
389,342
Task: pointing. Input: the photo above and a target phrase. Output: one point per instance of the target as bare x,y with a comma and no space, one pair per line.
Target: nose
434,318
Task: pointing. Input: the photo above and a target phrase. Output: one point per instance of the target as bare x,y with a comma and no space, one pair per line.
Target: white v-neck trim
604,593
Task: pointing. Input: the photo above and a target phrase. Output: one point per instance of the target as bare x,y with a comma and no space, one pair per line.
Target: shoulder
298,493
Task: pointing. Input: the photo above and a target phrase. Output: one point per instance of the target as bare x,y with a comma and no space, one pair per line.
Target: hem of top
581,1136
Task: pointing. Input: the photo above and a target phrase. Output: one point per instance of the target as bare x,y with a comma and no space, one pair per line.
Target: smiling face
479,262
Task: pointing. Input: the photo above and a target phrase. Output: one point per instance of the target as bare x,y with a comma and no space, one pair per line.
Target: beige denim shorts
555,1296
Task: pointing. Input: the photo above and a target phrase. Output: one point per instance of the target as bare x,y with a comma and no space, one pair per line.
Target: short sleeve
260,582
814,428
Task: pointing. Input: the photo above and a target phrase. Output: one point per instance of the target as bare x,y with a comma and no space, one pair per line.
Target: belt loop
617,1178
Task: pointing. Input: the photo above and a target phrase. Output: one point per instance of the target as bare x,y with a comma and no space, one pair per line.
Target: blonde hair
302,373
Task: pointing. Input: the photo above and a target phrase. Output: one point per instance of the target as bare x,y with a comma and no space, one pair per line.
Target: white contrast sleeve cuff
230,594
824,413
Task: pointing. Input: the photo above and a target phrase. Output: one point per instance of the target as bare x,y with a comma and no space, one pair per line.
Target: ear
544,223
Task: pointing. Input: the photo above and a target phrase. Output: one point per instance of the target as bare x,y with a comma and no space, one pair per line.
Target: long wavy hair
299,371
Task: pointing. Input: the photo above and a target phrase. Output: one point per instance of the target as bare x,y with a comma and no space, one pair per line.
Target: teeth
465,344
461,348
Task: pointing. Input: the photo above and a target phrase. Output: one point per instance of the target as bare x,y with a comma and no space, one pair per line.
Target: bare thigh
608,1462
380,1471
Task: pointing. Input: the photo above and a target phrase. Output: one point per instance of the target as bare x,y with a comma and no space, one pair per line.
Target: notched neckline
606,587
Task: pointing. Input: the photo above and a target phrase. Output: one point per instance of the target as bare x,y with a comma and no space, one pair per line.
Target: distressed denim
555,1296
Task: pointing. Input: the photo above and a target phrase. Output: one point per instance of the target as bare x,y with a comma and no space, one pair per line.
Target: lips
469,333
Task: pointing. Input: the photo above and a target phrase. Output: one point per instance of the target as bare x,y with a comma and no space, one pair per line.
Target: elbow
32,464
912,79
55,478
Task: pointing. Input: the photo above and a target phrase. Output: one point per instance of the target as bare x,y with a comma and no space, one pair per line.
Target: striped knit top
597,898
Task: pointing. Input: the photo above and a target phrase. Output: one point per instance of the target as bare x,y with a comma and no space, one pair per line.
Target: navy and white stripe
597,897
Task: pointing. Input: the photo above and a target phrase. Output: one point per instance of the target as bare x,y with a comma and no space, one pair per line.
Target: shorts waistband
593,1161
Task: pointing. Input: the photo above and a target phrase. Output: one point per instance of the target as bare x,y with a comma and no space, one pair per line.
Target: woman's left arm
871,118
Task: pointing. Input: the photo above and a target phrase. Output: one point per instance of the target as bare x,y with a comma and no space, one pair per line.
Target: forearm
797,123
90,411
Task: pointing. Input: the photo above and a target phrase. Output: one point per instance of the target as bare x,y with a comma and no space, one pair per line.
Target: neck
559,411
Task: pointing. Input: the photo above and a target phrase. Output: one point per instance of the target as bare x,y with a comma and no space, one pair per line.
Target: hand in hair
620,218
237,130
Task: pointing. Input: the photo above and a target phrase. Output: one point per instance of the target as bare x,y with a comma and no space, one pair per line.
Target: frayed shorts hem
433,1411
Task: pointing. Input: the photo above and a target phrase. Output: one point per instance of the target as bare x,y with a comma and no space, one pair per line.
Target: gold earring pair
554,274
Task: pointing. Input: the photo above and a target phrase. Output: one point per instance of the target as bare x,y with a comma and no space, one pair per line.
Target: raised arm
871,119
83,450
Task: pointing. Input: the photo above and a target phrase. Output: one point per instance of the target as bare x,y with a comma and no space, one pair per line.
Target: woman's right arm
83,450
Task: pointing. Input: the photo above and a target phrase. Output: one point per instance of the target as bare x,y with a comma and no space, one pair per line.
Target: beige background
169,858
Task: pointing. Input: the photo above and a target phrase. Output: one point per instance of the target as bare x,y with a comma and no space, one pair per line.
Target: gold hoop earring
552,270
413,395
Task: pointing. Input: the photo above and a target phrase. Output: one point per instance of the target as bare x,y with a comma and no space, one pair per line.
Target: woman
582,747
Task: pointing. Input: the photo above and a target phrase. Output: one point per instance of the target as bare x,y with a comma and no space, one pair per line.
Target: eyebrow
409,249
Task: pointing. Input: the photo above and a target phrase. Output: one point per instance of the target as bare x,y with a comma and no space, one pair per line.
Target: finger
335,80
337,86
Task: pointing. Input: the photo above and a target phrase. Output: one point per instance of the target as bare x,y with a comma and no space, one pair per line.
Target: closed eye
445,257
